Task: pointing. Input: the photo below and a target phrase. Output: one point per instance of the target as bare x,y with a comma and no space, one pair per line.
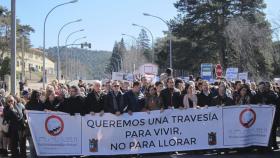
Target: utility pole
13,48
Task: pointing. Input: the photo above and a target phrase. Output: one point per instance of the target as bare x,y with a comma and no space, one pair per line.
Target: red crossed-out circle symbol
54,125
247,117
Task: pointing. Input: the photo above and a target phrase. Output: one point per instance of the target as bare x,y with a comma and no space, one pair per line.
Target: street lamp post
170,36
44,39
13,48
66,41
58,53
130,37
74,42
153,52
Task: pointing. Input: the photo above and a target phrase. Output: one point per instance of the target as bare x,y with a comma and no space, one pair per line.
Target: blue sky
103,20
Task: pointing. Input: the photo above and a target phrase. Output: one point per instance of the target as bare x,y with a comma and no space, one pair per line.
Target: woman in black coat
74,104
14,116
52,101
35,103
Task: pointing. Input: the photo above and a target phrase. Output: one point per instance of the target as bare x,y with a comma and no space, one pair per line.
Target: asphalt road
228,154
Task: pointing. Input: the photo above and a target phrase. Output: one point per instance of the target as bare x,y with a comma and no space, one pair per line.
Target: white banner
117,76
55,133
243,76
172,130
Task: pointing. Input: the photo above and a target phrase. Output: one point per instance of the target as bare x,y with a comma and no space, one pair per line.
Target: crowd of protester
118,97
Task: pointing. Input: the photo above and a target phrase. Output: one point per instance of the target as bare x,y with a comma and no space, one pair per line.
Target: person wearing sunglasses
114,100
14,116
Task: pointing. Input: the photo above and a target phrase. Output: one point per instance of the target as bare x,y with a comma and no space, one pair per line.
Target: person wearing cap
114,100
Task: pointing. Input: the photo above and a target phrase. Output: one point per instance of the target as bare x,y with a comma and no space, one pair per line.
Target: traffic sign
206,71
219,71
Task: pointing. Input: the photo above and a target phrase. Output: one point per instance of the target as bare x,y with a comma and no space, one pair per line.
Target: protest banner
55,133
172,130
243,76
232,74
117,75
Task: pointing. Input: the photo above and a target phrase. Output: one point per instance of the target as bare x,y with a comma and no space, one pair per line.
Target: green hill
81,63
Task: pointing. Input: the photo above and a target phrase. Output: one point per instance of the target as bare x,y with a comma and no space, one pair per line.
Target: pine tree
144,44
116,60
200,34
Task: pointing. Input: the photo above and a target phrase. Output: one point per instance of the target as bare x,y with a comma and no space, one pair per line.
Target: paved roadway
232,154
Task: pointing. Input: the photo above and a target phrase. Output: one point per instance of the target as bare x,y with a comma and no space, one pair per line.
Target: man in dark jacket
266,96
114,100
170,96
204,98
73,104
95,100
134,100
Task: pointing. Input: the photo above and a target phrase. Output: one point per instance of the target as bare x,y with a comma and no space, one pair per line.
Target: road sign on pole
206,71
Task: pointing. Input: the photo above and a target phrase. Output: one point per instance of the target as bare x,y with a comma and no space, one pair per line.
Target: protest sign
172,130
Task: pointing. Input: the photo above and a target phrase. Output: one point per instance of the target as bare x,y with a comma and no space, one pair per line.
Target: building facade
33,61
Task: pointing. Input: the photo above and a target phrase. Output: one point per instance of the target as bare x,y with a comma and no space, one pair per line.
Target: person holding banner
134,100
265,95
243,96
74,104
222,99
190,98
152,100
170,96
95,99
35,103
114,100
204,98
51,102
